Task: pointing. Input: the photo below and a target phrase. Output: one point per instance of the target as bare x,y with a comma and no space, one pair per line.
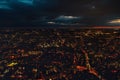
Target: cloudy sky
59,13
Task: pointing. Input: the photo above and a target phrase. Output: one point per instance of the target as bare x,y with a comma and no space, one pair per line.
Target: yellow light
115,21
12,64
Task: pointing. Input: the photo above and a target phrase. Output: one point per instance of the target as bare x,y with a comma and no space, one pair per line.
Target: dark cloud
45,12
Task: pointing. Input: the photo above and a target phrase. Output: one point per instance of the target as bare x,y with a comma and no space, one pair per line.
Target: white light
51,22
67,17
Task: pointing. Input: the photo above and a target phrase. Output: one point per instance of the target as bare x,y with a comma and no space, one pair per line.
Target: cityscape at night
59,39
60,54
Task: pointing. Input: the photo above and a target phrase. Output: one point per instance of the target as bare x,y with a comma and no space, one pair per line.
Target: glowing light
67,17
51,22
115,21
12,64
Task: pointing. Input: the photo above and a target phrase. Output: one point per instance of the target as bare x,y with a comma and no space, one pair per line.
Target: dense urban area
60,54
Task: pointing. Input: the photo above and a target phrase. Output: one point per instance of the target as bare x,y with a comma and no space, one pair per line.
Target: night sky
17,13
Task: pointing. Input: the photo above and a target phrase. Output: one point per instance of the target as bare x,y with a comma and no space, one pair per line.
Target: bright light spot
115,21
12,64
51,22
67,17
